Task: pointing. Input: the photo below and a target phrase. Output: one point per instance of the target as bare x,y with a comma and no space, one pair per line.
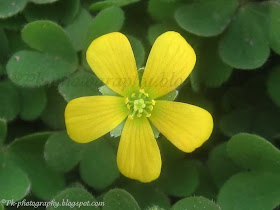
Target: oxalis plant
133,104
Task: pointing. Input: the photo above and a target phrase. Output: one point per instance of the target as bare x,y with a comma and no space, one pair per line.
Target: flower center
139,104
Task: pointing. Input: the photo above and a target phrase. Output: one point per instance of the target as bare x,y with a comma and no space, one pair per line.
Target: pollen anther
140,105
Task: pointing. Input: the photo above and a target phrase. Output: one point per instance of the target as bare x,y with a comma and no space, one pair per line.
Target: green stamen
139,105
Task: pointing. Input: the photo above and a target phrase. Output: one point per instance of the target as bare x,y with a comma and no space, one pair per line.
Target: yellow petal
88,118
185,125
111,59
170,62
138,154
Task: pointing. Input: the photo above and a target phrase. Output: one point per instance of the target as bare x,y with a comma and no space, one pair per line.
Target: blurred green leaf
27,153
187,95
161,9
239,120
29,68
244,44
168,150
242,102
206,18
179,178
108,3
14,183
48,37
9,98
61,153
209,71
79,84
234,98
118,199
273,85
274,27
33,102
2,157
53,115
10,8
193,203
250,190
266,123
13,23
1,206
147,195
15,42
53,11
221,166
98,167
33,69
43,1
3,131
268,14
74,198
138,50
253,152
17,130
155,30
4,46
244,119
2,70
78,29
84,62
108,20
206,188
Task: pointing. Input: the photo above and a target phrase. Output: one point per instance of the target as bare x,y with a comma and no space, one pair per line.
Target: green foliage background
236,78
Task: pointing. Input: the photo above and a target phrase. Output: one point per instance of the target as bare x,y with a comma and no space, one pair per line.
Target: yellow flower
170,62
